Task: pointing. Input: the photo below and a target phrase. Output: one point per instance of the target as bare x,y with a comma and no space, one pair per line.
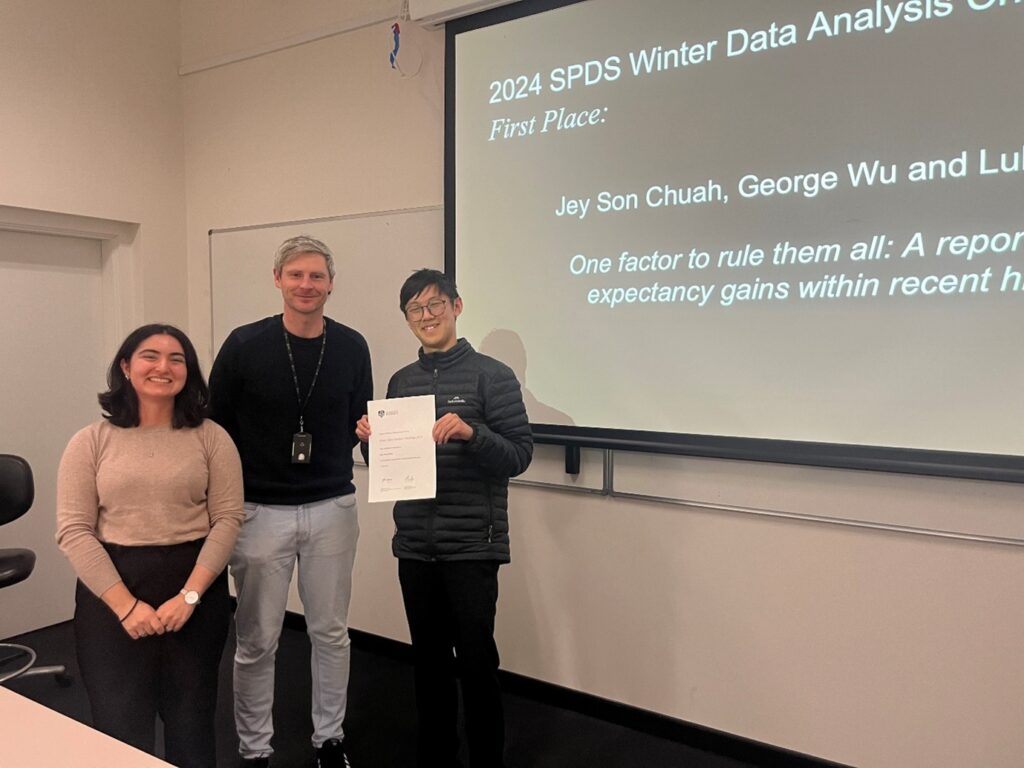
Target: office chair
16,495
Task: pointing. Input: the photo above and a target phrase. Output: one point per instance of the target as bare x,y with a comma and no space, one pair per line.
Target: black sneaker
254,762
332,755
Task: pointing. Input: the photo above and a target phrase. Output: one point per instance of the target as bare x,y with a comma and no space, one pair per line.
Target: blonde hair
294,247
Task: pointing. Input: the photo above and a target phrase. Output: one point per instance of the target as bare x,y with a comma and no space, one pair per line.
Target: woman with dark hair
149,504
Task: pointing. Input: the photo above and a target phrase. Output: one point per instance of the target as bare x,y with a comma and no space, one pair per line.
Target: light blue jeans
322,537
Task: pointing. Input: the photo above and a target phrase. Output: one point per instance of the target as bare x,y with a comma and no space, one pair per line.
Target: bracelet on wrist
125,617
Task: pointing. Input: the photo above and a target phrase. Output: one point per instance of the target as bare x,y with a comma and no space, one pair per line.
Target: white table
32,736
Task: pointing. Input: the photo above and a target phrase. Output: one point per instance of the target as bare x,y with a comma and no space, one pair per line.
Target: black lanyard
295,376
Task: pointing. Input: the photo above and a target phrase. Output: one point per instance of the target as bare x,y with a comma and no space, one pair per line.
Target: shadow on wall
508,347
578,612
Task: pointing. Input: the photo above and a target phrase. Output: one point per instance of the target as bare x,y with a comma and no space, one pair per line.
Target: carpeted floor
380,725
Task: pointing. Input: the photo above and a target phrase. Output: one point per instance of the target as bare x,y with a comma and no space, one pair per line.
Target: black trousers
174,675
450,607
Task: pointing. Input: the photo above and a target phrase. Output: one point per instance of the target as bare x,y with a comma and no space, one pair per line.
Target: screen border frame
974,466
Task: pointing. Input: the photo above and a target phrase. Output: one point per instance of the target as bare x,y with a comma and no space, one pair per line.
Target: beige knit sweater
147,485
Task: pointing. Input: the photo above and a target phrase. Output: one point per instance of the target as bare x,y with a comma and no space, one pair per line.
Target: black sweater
468,519
253,398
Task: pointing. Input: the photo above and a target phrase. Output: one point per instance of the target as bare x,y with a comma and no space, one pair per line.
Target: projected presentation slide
789,220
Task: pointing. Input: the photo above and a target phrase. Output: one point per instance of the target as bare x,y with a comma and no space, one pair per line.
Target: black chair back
17,490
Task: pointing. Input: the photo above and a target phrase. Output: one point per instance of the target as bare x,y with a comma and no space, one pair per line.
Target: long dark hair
120,404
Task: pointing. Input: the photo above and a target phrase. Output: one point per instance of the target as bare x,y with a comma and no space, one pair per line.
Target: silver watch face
191,596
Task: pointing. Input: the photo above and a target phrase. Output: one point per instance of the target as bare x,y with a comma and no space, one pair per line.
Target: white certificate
403,464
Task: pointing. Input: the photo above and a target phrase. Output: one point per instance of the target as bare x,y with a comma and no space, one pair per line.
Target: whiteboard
373,255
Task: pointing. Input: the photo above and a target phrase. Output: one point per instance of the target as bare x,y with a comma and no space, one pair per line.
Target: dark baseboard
652,723
661,726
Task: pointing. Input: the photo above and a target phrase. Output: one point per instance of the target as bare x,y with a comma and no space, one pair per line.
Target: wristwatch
191,596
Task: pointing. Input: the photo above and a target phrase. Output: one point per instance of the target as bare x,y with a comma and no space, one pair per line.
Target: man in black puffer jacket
449,547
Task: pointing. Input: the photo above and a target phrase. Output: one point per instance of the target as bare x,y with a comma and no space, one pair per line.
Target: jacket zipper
433,517
490,514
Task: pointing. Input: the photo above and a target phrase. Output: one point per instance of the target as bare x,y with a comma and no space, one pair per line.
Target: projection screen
784,231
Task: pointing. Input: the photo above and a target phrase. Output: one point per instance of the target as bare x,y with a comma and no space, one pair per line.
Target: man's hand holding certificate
403,463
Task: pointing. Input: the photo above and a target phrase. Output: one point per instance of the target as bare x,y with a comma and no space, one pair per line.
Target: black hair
422,279
120,404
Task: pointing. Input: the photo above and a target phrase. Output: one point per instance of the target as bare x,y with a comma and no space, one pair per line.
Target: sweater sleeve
362,391
223,498
78,513
224,385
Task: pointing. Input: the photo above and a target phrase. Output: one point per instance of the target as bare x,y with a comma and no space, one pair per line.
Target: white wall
92,126
91,147
868,647
212,31
322,129
41,403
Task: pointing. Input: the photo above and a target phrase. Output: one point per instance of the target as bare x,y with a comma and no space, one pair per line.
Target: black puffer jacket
468,520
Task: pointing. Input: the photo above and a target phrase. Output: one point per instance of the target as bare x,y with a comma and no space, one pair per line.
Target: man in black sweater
449,547
289,389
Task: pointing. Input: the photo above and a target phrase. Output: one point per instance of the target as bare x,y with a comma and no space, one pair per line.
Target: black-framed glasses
415,311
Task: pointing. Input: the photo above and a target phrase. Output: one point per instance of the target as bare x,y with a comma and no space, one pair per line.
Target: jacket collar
439,360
